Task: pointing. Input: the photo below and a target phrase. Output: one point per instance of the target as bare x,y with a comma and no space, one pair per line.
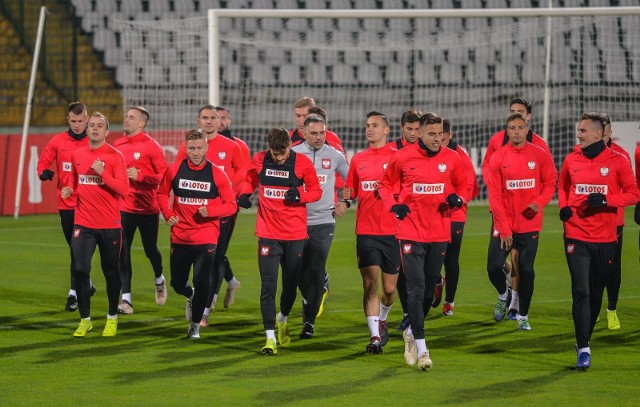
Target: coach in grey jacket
321,216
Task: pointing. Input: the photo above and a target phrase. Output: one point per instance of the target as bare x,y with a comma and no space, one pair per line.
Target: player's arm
462,182
164,194
117,179
49,155
548,178
250,182
628,194
159,165
238,164
68,190
491,148
225,204
350,190
467,164
182,152
387,186
496,198
312,190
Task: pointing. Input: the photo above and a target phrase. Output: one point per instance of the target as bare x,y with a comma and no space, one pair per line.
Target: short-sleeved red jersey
519,177
609,174
58,150
143,153
99,195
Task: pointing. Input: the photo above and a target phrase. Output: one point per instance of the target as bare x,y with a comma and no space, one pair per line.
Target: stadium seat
340,4
520,3
112,57
317,74
298,24
425,26
533,71
343,74
424,74
302,56
442,4
506,73
103,38
275,56
369,74
131,6
315,4
82,6
324,24
451,73
262,74
397,74
474,4
91,21
106,7
573,3
615,64
290,74
381,58
495,4
349,24
478,73
126,74
393,4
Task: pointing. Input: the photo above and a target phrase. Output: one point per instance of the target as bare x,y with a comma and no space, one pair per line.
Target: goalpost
465,64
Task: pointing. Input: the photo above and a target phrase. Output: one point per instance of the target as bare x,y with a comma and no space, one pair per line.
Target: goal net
466,69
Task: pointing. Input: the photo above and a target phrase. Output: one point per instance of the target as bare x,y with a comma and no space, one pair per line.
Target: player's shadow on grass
496,391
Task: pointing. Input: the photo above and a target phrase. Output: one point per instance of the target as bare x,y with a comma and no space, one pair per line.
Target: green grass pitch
476,360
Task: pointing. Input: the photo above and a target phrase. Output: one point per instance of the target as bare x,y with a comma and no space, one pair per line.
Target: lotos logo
222,155
604,171
274,193
194,185
407,248
531,165
586,189
192,201
369,185
66,167
264,250
428,189
521,183
91,180
277,173
136,155
322,178
326,163
442,167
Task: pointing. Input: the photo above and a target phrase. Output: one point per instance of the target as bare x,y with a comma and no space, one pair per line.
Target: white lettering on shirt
369,185
586,189
194,185
322,178
274,193
428,189
192,201
90,180
521,183
276,173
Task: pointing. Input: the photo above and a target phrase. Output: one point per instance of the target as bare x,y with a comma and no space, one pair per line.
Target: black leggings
452,261
66,221
201,258
148,225
83,245
615,278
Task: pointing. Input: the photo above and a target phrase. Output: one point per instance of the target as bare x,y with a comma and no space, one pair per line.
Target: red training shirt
608,174
425,182
518,177
194,187
59,149
460,214
98,195
618,149
279,219
144,153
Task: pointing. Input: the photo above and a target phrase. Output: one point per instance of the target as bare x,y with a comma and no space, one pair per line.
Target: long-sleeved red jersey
59,150
499,140
143,153
225,154
518,177
424,182
194,187
99,195
636,155
618,149
279,219
460,214
608,174
365,172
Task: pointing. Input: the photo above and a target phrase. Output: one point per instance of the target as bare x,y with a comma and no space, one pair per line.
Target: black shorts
382,251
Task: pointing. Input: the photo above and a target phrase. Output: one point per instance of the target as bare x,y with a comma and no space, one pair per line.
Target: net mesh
466,69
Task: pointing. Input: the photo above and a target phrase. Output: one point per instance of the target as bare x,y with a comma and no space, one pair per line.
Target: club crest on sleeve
604,171
326,163
442,167
531,165
136,155
222,155
571,248
265,250
407,248
76,232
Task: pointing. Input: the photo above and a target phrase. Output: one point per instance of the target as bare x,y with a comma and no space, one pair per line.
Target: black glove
244,201
596,200
292,195
636,214
47,175
454,201
400,210
565,213
529,213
